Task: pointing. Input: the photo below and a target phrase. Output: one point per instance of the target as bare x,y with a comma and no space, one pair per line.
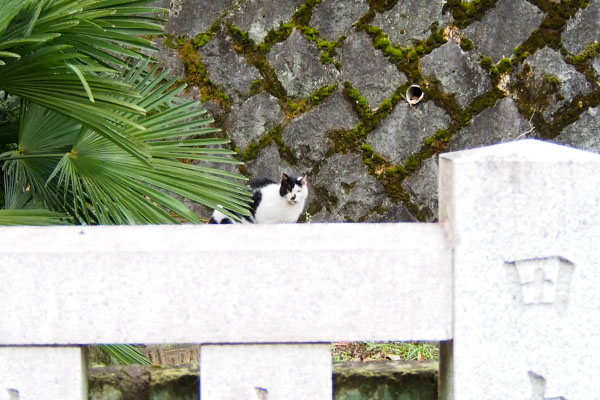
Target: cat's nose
294,197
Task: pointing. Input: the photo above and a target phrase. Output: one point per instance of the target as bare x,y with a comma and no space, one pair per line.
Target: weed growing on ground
370,351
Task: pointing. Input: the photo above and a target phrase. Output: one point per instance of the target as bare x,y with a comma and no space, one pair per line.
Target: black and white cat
272,203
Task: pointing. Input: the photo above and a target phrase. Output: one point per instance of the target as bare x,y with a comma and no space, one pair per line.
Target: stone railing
507,282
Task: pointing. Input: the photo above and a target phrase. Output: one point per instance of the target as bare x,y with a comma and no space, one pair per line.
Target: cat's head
293,188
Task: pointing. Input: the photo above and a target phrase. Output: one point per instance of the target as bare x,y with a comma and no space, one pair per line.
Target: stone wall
351,381
318,87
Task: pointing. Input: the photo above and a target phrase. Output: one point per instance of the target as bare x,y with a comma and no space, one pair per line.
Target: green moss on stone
374,31
395,170
322,93
170,41
194,69
520,53
386,106
487,100
469,7
486,62
550,30
202,38
325,45
303,14
351,93
310,33
535,92
295,108
243,44
466,44
382,5
327,48
239,36
359,103
592,50
273,136
378,159
406,59
256,86
391,178
413,162
504,65
382,41
396,55
367,149
437,37
274,36
464,12
552,80
326,58
343,141
196,74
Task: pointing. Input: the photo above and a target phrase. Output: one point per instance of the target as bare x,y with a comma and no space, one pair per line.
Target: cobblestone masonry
318,86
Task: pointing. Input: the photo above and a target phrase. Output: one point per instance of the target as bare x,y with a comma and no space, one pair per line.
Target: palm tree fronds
59,43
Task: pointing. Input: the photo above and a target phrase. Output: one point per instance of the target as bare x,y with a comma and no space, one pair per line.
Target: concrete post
266,372
42,373
524,222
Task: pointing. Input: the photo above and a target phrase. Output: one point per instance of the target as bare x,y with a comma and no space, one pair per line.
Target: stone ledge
407,380
385,380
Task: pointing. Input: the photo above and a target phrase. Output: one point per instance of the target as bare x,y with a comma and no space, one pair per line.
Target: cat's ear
301,180
284,177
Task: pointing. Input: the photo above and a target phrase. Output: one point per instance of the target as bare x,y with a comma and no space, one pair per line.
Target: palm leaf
10,9
74,169
38,217
125,354
111,27
60,46
60,89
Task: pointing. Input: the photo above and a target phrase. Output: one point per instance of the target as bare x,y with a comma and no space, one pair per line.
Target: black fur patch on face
287,184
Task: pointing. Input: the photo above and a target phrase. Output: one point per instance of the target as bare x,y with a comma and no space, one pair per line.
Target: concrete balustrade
507,281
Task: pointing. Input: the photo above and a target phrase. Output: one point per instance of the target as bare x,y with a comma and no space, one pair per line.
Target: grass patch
368,351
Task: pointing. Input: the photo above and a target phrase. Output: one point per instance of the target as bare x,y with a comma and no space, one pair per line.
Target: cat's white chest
274,209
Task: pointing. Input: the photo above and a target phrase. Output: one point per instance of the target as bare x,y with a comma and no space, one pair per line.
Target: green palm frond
61,89
43,138
38,217
60,54
125,354
105,30
73,169
10,9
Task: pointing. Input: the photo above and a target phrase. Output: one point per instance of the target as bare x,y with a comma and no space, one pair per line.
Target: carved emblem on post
544,280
